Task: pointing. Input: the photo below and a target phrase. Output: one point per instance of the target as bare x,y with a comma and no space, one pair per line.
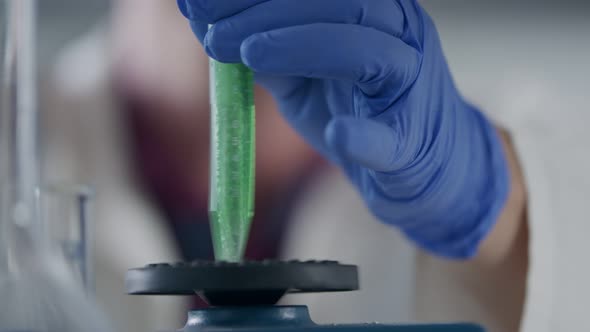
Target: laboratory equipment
260,283
243,295
20,228
19,111
66,214
231,200
37,291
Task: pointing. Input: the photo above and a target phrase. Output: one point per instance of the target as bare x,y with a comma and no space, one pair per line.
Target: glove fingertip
217,48
337,136
369,143
200,30
183,7
251,51
195,10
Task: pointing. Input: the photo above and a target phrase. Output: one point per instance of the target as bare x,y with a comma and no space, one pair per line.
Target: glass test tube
18,124
231,200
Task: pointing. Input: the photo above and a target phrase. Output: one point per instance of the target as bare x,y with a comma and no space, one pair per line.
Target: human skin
509,236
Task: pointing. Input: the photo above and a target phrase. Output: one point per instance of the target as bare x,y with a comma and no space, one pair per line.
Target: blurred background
125,110
64,20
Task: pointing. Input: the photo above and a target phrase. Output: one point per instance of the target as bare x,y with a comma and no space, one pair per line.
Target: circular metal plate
247,283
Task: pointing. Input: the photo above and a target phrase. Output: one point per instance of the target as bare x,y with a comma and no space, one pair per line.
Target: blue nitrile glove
366,83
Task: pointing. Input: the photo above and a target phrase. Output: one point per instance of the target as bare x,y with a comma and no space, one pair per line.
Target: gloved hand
366,83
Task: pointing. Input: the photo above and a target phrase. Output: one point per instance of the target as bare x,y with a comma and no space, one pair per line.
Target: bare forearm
495,280
507,237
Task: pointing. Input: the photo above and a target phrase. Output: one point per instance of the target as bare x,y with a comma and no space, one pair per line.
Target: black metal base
242,284
243,295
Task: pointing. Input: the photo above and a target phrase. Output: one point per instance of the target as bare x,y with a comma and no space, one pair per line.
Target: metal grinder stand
243,295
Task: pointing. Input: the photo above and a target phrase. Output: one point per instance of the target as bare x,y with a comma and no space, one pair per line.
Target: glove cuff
476,202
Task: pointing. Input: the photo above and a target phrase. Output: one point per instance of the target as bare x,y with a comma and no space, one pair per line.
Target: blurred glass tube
19,113
36,291
66,212
20,226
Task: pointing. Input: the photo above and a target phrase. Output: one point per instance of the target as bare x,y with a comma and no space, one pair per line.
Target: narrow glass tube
231,200
21,227
37,292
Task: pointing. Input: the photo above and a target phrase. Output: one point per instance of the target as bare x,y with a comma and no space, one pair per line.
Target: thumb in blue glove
366,83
